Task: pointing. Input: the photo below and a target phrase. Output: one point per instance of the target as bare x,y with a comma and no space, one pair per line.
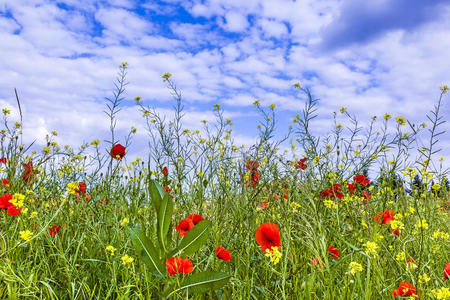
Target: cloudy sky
372,57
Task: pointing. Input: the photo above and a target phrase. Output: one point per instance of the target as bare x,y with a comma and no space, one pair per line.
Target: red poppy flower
168,191
29,172
3,160
223,253
254,178
361,179
252,165
404,289
267,236
367,196
301,164
317,263
13,211
54,230
179,265
397,232
385,217
351,187
195,218
5,181
164,171
447,271
4,201
334,252
117,152
184,226
286,192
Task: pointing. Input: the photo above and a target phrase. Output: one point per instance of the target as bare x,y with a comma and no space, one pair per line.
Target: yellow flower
274,255
272,106
444,89
400,256
400,120
32,215
257,102
396,224
355,267
111,249
424,278
329,204
26,235
124,222
127,260
442,294
343,109
296,85
6,111
436,186
371,248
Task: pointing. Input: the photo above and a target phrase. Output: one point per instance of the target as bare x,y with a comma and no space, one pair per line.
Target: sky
372,57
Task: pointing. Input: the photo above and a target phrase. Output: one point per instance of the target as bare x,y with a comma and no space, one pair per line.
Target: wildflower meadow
360,213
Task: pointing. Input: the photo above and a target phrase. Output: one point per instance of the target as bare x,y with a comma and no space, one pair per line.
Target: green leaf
157,194
193,239
145,249
164,218
205,281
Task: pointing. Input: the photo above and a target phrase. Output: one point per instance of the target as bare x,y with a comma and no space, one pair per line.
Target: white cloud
235,22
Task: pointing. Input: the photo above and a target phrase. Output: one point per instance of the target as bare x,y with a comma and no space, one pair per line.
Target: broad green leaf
157,194
205,281
164,218
193,239
145,249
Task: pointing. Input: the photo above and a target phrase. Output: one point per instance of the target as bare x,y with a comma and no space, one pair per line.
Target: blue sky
372,57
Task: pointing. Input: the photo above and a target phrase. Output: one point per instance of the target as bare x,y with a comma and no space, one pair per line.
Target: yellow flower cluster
26,235
355,267
127,260
371,248
274,255
111,249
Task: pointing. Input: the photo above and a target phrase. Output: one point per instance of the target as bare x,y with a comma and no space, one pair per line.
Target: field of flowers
349,215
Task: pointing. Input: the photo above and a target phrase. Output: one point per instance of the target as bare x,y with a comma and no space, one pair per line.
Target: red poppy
301,164
168,191
361,179
5,181
267,236
13,211
179,265
447,271
411,261
397,232
286,192
164,171
333,192
317,263
334,252
351,187
367,196
117,150
404,289
252,165
4,201
54,230
195,218
3,160
385,217
223,253
184,226
29,172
